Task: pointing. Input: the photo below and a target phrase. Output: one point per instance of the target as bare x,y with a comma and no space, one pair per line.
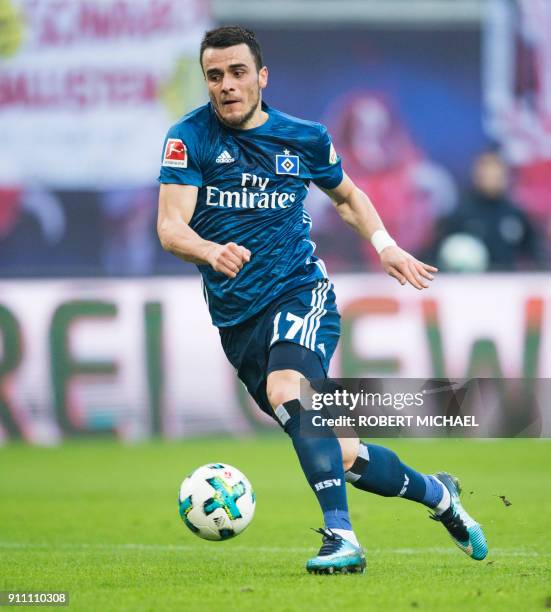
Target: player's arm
176,207
356,209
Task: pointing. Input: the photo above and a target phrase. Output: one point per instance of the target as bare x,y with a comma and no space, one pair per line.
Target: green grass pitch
100,520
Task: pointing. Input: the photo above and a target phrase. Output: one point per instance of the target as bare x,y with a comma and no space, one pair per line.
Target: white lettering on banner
80,88
94,87
126,395
107,20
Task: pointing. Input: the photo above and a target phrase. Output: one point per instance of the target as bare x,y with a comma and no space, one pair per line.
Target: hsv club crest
287,163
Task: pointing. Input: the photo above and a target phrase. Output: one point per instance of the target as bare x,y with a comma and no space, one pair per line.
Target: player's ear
263,77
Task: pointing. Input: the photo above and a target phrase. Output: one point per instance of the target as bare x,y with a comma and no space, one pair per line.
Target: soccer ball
216,502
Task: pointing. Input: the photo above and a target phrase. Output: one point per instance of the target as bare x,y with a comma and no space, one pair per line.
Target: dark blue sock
379,470
321,462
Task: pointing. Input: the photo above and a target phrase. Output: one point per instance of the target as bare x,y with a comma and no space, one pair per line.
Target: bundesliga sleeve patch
175,155
332,155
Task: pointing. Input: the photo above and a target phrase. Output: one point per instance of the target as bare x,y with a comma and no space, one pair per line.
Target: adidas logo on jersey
224,158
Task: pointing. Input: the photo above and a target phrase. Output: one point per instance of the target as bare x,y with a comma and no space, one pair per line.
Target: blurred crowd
476,227
495,217
488,230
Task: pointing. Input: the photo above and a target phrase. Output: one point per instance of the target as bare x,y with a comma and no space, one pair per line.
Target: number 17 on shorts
310,318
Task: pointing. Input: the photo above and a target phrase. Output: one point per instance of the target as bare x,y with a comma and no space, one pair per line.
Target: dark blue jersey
252,185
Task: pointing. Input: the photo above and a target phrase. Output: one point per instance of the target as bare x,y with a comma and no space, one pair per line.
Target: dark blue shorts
303,324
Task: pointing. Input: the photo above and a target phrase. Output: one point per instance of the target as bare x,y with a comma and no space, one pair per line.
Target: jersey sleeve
180,161
326,164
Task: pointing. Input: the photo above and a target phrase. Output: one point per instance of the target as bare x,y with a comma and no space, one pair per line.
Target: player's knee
350,448
282,386
347,462
279,395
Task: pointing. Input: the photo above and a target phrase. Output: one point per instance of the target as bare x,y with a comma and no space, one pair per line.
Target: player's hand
405,268
228,258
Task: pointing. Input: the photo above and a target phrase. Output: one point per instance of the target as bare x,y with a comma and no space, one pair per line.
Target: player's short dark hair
228,36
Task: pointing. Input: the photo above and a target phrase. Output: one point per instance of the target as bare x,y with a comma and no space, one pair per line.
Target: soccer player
234,177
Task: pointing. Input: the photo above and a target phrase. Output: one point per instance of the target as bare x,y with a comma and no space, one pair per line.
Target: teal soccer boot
463,529
336,556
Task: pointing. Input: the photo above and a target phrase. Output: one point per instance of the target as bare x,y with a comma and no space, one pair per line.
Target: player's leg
304,332
320,457
321,460
379,470
350,447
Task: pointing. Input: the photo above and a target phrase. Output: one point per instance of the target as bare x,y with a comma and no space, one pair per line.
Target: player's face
234,84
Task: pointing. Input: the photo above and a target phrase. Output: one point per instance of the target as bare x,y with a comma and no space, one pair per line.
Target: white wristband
381,239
